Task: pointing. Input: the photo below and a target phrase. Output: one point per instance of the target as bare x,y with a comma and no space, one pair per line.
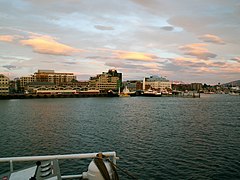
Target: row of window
107,86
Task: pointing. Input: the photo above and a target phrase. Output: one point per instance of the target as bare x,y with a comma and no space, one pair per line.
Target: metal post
115,158
11,166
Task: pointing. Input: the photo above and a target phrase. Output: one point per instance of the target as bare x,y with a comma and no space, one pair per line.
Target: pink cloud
197,50
194,65
212,39
152,66
236,59
7,38
48,45
127,55
134,56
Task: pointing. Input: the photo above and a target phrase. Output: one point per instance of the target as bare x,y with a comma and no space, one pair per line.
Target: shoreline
34,96
83,95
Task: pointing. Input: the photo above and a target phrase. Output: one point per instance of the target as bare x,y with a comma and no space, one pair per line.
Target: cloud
197,68
194,62
47,45
123,65
7,38
197,50
122,55
104,28
236,59
155,28
18,58
167,28
9,67
190,62
100,57
134,56
70,63
212,39
134,67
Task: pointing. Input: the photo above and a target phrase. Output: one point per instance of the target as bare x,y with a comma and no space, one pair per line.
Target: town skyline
184,41
124,80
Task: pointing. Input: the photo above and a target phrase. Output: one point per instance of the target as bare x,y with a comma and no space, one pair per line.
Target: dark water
155,138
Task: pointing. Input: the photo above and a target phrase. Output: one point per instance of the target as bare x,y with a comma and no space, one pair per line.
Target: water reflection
171,138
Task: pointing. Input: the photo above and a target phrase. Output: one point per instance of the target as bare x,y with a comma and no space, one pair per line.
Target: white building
4,85
157,83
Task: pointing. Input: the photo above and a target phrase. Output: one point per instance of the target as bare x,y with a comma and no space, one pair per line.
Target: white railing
11,160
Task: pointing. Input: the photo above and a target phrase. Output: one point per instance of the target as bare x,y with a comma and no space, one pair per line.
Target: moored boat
234,94
151,93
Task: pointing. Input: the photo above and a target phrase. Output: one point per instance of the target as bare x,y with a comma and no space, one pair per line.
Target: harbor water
155,137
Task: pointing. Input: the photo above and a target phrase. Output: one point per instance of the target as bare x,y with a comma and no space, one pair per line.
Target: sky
187,40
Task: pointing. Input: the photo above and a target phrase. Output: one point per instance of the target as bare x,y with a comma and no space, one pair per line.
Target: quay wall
31,96
84,95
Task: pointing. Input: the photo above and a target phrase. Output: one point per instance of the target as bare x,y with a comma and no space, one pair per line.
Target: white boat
234,94
102,167
151,93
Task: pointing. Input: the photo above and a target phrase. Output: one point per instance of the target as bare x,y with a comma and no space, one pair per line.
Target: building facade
111,80
196,86
157,83
51,76
133,85
48,76
26,80
4,85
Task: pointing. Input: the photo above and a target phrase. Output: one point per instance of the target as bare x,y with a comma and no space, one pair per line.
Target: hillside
233,83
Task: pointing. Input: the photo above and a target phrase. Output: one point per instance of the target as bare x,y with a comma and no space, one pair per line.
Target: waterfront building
46,76
16,84
4,85
181,87
196,87
133,85
26,80
55,91
157,83
12,87
236,88
33,87
51,76
48,88
77,85
187,87
111,80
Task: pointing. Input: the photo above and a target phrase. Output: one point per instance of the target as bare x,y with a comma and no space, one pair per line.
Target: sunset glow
48,46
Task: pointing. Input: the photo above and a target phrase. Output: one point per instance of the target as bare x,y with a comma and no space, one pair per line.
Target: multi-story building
111,80
26,80
48,76
181,87
133,85
4,85
157,83
196,86
51,76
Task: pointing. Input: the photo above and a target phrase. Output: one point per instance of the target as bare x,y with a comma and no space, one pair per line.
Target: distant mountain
233,83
